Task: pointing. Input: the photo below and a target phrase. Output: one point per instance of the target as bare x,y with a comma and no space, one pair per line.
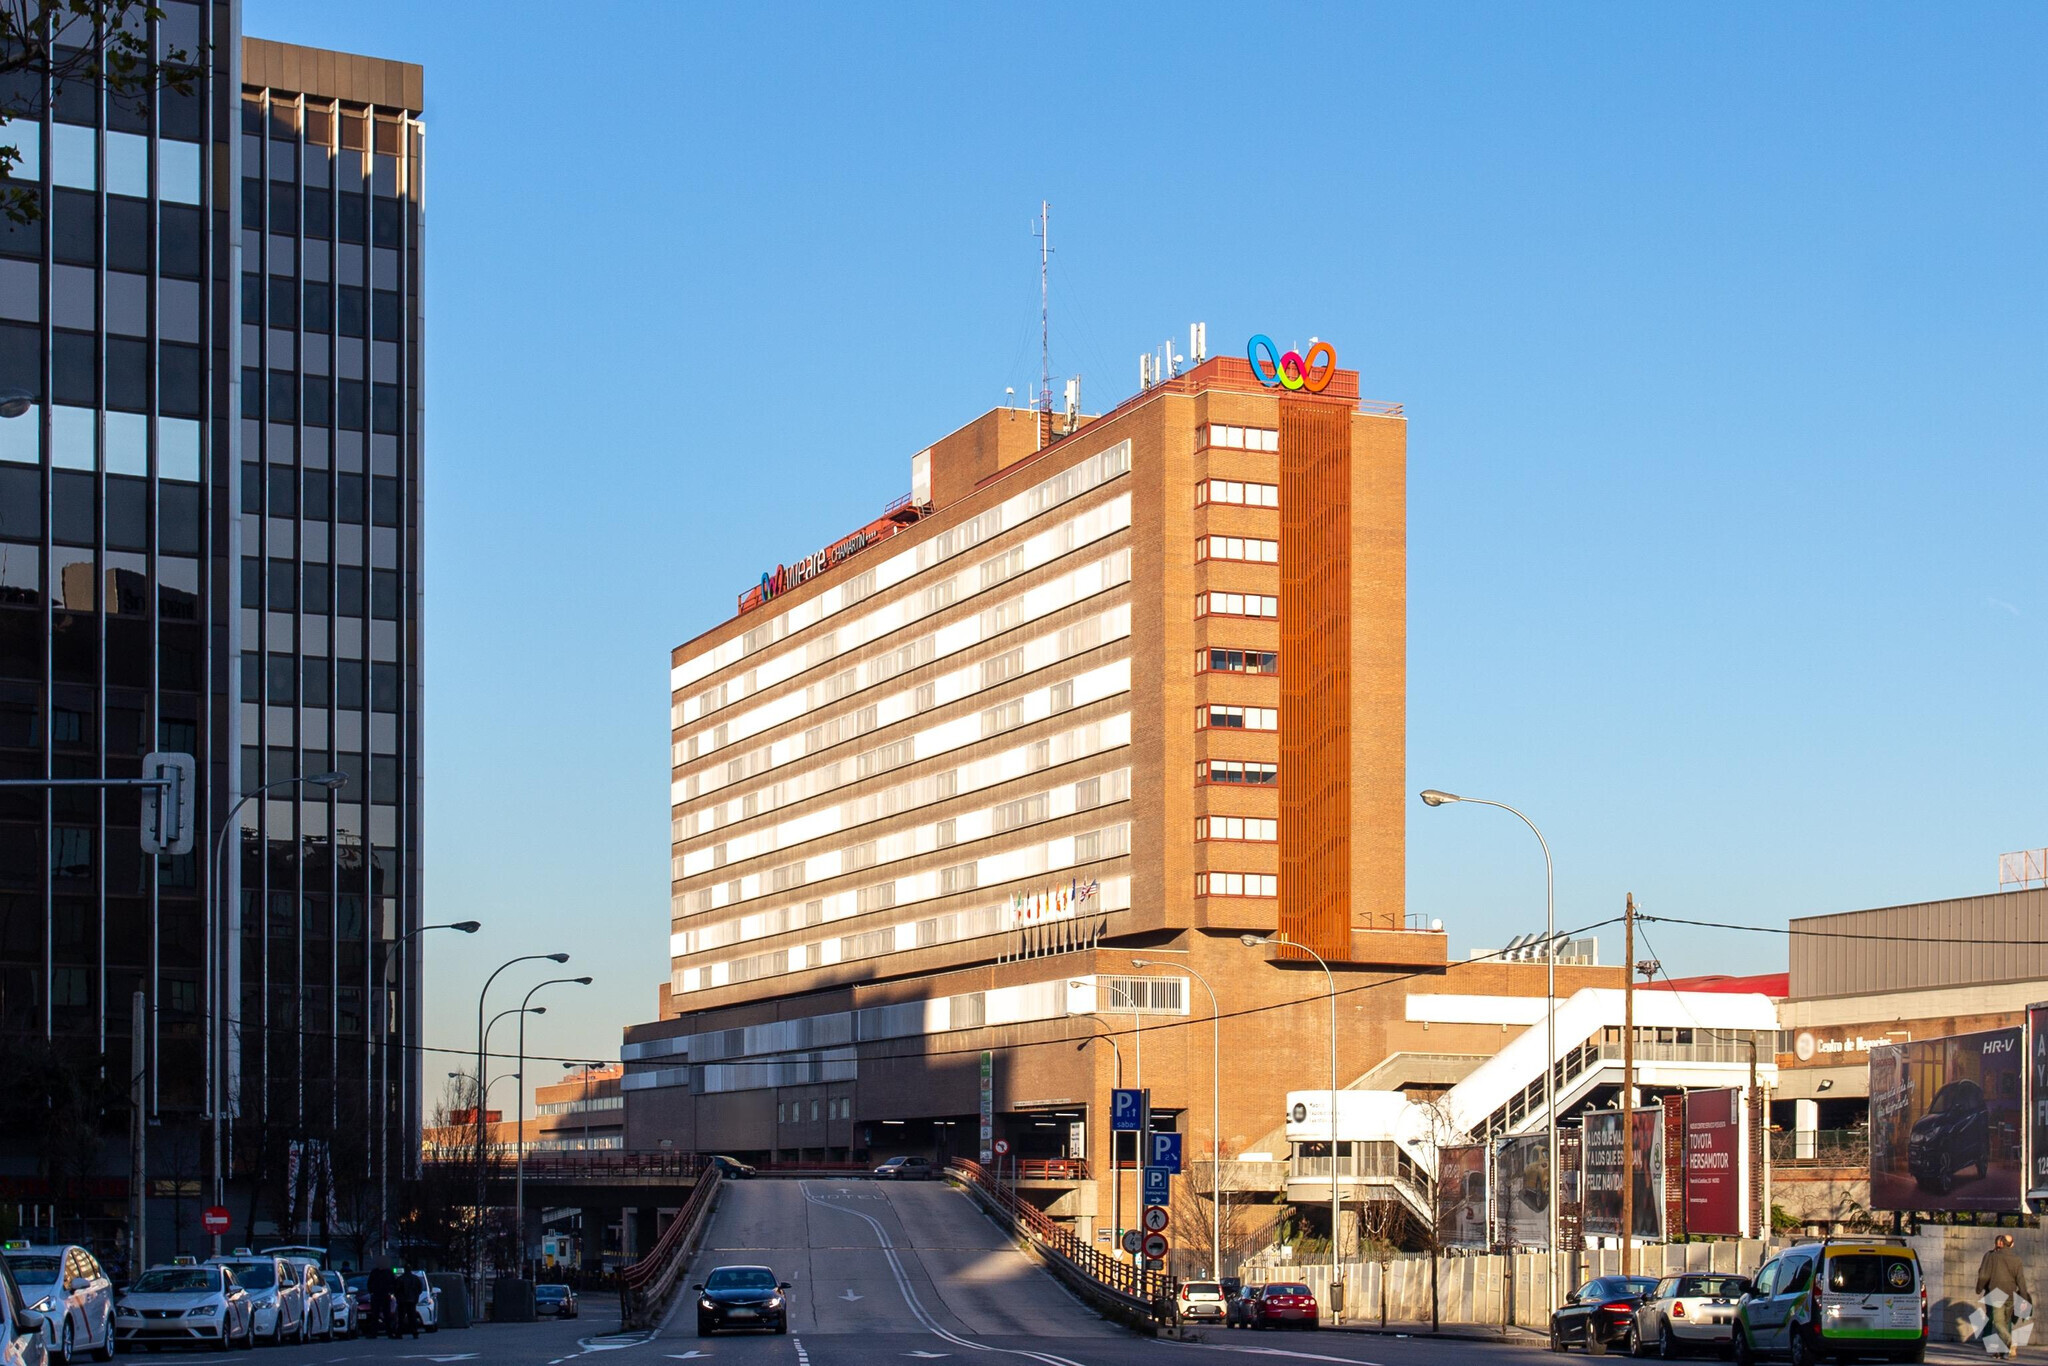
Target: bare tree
1380,1226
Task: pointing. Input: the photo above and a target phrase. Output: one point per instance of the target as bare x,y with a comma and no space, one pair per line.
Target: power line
1797,932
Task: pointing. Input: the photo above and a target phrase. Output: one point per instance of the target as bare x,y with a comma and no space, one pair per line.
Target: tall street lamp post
476,1288
1434,797
1336,1196
384,1069
1116,1175
223,1016
1215,1113
519,1168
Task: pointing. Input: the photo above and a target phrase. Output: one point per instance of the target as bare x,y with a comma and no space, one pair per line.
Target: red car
1282,1305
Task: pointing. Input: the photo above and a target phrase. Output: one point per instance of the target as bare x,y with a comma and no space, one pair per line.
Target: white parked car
1198,1300
1690,1312
21,1339
276,1293
195,1305
318,1298
343,1304
69,1295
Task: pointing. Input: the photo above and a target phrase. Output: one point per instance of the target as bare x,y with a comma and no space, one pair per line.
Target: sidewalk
1518,1336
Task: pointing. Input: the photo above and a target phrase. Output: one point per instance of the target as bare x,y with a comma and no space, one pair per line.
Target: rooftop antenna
1043,232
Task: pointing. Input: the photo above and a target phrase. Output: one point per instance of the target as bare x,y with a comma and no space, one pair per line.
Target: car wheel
1596,1346
249,1335
1743,1355
63,1352
1632,1341
1801,1349
782,1324
1666,1348
105,1351
1556,1342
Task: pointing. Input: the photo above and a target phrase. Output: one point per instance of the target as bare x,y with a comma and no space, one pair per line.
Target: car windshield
358,1282
1719,1287
1203,1290
335,1282
1286,1290
741,1278
254,1275
33,1268
1961,1095
1870,1274
551,1292
177,1280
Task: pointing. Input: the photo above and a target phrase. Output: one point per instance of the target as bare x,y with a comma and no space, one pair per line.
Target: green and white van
1839,1299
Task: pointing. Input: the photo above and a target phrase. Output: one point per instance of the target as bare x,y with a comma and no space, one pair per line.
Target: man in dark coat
2002,1270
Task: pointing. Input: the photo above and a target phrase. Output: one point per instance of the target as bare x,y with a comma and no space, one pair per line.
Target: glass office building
209,542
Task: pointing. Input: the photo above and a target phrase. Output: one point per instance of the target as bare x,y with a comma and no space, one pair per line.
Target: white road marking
910,1299
1266,1352
850,1297
928,1356
803,1358
690,1355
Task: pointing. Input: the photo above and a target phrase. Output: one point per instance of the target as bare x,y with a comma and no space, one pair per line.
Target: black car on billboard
1954,1133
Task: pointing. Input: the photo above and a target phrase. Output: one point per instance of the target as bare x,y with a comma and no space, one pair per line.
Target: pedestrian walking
2002,1270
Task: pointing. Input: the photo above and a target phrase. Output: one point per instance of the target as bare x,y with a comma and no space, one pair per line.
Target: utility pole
1628,1077
1044,234
138,1133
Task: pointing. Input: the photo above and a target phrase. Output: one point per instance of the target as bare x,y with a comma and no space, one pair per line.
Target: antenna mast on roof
1043,232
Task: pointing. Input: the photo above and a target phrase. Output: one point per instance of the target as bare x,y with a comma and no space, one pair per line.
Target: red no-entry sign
215,1219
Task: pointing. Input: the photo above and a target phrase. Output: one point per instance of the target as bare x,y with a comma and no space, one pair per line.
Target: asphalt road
883,1275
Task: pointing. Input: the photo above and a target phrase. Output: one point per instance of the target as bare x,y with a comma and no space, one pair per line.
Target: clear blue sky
1721,331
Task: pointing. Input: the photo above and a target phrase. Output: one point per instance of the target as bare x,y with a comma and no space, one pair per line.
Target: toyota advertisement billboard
1603,1173
1522,1190
1714,1153
1946,1123
1461,1195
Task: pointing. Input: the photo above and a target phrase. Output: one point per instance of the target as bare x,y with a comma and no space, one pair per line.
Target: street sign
1126,1109
1002,1147
167,809
1133,1240
1165,1152
1156,1218
214,1219
1155,1246
1158,1186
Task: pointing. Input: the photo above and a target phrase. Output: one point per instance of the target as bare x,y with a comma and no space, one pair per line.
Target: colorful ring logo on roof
1292,371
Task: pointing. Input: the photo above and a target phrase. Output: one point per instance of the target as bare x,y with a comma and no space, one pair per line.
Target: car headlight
707,1303
44,1305
204,1310
774,1302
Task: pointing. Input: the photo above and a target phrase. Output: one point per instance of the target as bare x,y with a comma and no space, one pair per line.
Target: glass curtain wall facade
210,543
328,671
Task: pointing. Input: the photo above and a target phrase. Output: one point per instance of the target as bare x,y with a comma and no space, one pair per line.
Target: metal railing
1148,1294
1821,1148
1052,1169
601,1163
644,1287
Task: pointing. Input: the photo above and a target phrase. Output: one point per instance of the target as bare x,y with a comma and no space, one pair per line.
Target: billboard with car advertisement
1521,1184
1461,1196
2037,1107
1945,1123
1603,1173
1714,1153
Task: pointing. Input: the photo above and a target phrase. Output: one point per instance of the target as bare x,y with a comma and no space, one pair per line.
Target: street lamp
1116,1175
1215,1113
476,1284
384,1072
1435,797
1336,1199
15,402
519,1168
223,1017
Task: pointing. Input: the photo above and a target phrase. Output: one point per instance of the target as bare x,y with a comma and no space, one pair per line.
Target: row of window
580,1106
1237,662
835,1107
281,762
1237,773
72,218
318,589
1244,438
349,404
1234,491
1248,549
350,310
319,494
1247,829
75,513
374,219
285,680
1237,884
74,163
283,122
75,369
1219,717
1263,606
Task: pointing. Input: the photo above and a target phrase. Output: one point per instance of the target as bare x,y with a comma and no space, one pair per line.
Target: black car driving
1600,1314
741,1297
1954,1133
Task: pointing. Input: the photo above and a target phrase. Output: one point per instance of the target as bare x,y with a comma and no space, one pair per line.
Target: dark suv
905,1169
1953,1134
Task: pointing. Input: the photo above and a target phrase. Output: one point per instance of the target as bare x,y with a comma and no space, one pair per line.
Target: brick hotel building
1134,689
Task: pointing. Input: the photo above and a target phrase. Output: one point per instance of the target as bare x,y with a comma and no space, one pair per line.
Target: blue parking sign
1158,1186
1126,1110
1165,1152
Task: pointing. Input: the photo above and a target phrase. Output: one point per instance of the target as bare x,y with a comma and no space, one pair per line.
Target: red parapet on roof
1776,985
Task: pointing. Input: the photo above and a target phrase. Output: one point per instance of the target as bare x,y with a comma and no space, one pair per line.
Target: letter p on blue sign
1126,1110
1165,1152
